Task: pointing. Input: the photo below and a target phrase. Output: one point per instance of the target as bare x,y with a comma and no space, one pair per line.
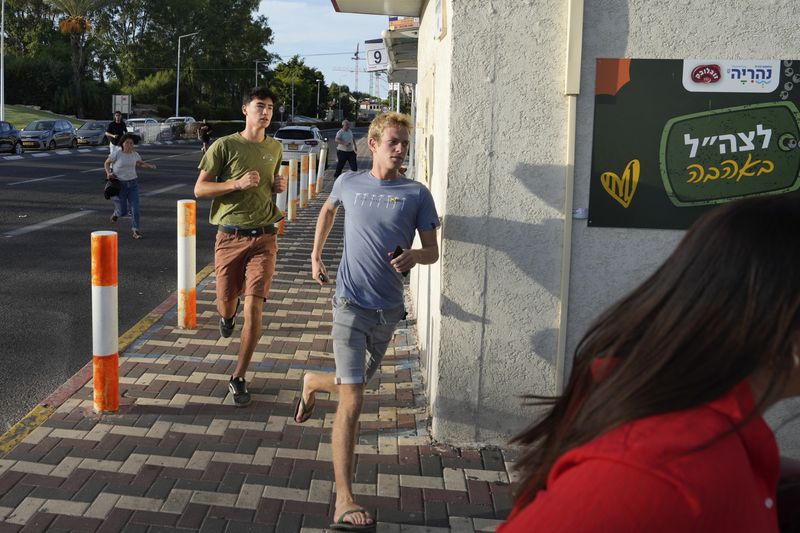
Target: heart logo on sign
622,189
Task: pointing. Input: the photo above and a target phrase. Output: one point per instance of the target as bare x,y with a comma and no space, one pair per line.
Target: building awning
401,46
400,8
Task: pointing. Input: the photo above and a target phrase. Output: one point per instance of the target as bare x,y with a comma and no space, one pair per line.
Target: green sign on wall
673,138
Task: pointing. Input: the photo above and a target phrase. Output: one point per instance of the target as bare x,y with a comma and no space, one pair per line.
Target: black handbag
111,188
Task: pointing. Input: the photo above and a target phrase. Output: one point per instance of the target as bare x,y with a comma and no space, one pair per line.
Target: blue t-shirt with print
379,216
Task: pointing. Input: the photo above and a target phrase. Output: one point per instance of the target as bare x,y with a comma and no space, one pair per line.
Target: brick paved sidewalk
180,457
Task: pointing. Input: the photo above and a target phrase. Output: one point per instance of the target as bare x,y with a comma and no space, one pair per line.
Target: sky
312,27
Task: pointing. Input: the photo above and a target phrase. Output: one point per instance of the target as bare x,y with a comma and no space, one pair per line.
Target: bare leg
351,398
226,308
251,331
314,382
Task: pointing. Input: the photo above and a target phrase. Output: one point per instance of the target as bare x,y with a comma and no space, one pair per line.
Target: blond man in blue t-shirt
384,211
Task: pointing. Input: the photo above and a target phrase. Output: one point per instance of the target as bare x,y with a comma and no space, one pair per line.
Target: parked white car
298,141
177,126
148,129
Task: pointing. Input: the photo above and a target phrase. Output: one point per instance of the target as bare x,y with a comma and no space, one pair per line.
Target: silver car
93,133
49,134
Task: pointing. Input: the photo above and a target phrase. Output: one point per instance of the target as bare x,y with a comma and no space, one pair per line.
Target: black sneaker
238,387
226,325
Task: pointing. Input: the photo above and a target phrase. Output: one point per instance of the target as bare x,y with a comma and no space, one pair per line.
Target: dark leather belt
248,232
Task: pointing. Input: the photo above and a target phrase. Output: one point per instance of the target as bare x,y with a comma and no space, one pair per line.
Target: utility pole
292,98
356,58
318,82
178,77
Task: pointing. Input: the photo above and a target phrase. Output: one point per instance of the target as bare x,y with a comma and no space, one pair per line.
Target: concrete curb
39,414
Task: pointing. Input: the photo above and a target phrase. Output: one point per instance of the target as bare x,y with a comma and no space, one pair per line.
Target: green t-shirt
231,157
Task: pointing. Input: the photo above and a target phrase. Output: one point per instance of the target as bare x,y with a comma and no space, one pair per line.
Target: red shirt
639,477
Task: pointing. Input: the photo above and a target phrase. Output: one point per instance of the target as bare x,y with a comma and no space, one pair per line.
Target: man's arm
427,255
324,224
109,134
208,187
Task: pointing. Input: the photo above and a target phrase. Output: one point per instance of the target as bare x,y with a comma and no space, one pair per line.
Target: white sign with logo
731,76
121,103
377,59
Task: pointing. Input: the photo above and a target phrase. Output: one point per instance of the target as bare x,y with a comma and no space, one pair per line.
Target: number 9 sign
376,55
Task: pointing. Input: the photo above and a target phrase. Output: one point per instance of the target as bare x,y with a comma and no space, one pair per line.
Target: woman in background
122,166
660,427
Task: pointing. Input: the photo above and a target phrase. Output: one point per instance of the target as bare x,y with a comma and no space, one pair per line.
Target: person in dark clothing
114,132
205,135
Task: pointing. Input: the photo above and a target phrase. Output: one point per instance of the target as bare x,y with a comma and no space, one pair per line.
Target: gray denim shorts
360,339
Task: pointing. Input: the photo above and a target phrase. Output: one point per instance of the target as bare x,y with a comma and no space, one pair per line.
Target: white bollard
105,322
292,209
283,197
323,157
312,175
187,264
304,181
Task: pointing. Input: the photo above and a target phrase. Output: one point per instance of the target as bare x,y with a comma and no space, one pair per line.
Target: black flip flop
301,404
341,525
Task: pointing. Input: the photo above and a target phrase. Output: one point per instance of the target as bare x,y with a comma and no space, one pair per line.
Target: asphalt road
49,206
50,203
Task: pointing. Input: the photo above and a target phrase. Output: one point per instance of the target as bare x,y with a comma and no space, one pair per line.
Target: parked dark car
93,132
49,134
9,139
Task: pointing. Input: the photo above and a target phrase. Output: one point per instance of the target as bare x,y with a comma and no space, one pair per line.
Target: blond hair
388,120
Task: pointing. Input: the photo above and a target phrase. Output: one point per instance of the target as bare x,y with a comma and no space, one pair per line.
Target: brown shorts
244,265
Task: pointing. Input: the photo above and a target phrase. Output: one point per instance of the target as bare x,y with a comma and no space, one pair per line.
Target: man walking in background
383,212
345,149
114,132
240,172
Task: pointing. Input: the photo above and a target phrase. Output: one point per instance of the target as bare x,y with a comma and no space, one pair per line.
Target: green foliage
132,49
34,80
153,88
304,78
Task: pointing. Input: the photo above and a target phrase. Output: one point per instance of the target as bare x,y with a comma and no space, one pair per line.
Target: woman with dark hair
122,166
660,427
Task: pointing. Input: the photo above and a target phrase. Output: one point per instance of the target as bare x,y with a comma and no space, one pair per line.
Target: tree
77,26
342,102
29,27
304,78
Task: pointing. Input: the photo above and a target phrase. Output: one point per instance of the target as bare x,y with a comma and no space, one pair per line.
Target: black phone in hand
397,253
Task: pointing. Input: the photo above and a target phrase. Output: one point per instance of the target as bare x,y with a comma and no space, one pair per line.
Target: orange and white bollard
283,197
304,181
323,157
187,264
292,209
312,176
105,322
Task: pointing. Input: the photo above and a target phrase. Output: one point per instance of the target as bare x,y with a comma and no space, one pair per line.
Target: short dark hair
126,136
259,93
118,112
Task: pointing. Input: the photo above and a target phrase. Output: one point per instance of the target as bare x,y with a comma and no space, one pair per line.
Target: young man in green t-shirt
240,172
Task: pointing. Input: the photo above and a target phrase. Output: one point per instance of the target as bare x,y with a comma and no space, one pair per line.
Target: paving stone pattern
180,457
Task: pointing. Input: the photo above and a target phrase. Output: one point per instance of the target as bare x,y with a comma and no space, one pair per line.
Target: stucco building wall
492,128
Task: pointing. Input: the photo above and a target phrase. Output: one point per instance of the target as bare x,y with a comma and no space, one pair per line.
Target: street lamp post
318,82
178,77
